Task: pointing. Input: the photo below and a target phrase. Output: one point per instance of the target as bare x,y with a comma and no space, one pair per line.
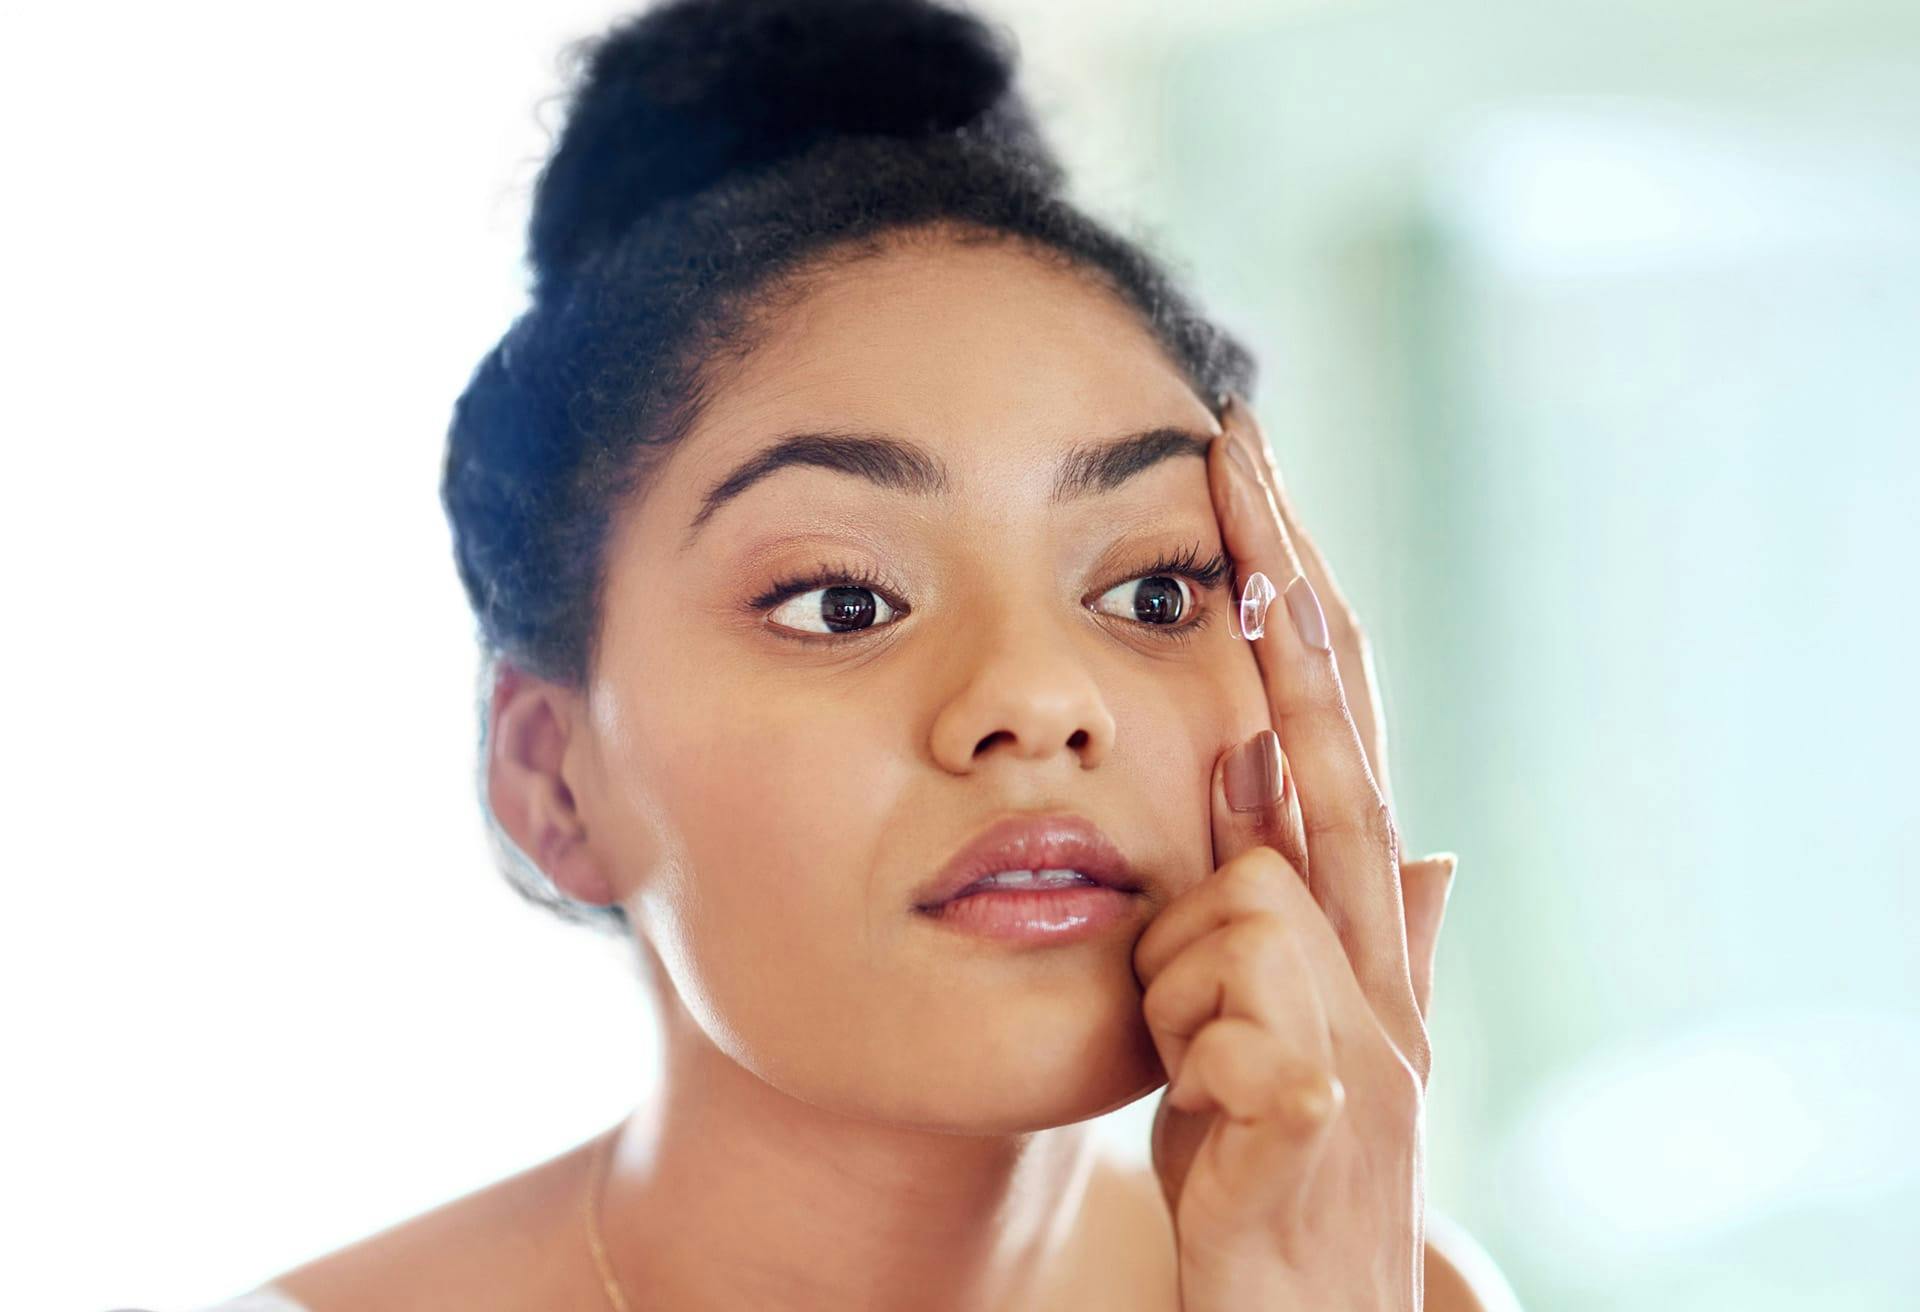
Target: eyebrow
898,465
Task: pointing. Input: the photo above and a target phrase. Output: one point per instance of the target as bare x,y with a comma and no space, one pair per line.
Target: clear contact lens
1255,596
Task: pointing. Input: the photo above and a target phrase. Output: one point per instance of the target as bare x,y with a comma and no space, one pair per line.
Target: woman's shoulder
1461,1275
508,1244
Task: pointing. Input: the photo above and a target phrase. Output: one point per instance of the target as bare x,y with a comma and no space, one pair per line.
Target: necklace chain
596,1184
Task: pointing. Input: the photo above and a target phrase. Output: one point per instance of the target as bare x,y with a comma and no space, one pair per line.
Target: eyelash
1207,575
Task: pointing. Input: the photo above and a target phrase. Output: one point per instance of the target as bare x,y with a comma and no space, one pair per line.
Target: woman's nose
1023,689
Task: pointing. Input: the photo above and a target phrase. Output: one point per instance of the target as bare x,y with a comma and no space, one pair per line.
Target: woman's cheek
1171,727
782,812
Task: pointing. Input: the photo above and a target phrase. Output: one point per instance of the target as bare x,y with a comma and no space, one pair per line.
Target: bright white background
1587,331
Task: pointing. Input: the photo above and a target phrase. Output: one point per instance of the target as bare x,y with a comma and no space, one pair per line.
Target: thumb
1425,886
1255,803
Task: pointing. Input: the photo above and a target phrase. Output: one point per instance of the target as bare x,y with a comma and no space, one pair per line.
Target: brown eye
1158,600
838,609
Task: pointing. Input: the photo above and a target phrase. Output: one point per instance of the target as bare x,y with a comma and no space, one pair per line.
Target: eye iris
1157,601
846,609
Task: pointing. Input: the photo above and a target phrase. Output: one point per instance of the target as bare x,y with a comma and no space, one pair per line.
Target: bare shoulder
1126,1204
505,1245
1461,1275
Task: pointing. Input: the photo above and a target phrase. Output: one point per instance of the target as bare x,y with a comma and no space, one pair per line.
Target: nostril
991,739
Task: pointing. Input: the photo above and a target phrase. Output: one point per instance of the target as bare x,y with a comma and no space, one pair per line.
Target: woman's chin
1095,1095
1032,1064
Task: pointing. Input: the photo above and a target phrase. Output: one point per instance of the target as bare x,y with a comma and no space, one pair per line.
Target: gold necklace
596,1183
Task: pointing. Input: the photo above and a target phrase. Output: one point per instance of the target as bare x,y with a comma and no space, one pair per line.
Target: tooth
1034,878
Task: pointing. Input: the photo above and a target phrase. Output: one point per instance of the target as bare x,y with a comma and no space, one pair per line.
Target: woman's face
767,796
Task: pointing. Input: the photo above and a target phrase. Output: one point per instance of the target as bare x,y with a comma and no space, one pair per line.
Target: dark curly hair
716,155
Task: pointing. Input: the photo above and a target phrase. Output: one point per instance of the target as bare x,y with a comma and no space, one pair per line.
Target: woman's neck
725,1192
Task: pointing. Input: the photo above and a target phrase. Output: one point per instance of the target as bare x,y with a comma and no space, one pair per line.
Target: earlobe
530,728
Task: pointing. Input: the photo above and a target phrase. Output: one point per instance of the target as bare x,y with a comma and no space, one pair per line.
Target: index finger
1356,659
1352,844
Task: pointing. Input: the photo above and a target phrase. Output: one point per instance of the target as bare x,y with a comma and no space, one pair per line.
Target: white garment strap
260,1300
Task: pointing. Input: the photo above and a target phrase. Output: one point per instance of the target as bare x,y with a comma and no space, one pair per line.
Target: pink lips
1050,842
1034,916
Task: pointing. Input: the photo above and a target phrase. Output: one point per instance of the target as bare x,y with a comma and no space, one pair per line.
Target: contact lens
1255,596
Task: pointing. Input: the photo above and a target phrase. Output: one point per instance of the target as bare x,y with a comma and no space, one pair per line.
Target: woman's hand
1425,882
1280,991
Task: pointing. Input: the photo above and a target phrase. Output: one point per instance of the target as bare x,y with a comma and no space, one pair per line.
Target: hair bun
677,97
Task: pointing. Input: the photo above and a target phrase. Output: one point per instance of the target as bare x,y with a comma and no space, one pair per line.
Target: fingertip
1443,865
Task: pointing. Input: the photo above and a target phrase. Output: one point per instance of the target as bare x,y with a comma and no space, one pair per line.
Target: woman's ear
531,727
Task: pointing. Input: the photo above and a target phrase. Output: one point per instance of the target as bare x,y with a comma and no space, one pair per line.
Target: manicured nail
1254,773
1256,594
1309,621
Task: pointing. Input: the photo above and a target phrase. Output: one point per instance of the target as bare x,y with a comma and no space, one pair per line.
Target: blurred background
1588,335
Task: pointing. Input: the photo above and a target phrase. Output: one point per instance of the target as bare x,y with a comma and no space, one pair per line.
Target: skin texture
858,1108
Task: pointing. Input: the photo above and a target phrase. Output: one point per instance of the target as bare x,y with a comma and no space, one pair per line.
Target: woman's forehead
989,357
967,325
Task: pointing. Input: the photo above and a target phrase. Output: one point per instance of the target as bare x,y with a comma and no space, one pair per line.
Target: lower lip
1037,915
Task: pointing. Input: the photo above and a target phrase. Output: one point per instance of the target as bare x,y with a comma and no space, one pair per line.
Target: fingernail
1309,621
1254,773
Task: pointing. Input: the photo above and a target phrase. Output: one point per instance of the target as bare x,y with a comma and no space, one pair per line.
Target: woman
850,520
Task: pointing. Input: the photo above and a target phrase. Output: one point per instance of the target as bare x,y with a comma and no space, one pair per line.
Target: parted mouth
1039,844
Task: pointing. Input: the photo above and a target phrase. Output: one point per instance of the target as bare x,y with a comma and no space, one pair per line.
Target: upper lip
1030,842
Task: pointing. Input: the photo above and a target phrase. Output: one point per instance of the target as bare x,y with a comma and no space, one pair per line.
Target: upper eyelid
1220,566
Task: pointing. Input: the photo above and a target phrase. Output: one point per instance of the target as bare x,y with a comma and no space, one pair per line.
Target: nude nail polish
1309,621
1253,772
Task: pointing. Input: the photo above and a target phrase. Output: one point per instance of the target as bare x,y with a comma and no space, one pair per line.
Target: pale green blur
1590,340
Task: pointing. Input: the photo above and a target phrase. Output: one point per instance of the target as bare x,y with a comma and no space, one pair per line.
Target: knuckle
1419,1057
1249,882
1160,1005
1201,1057
1312,1100
1328,712
1382,829
1251,943
1403,1076
1164,1013
1372,820
1375,820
